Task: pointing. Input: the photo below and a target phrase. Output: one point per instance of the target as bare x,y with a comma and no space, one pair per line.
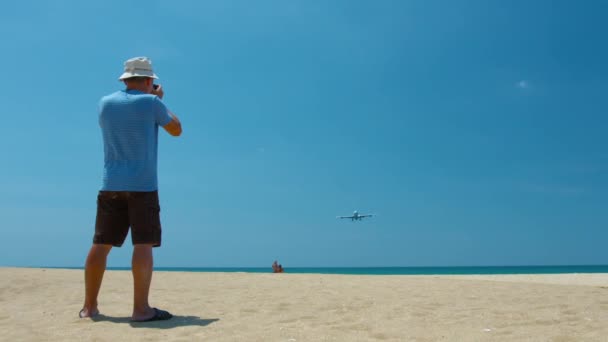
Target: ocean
395,270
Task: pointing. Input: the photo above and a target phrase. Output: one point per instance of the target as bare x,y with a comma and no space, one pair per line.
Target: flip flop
159,315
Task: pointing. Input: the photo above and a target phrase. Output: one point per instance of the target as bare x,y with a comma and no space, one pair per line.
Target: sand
43,305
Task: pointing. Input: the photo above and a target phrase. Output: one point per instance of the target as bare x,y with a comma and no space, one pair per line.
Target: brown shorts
119,210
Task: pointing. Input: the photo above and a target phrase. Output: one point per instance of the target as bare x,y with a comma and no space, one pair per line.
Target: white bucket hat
138,67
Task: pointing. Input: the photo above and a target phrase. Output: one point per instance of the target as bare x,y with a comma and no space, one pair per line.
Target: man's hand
158,91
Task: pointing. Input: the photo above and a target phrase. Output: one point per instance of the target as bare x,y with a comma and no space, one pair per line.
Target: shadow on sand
176,321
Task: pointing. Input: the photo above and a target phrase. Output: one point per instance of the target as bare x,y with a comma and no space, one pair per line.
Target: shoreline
382,270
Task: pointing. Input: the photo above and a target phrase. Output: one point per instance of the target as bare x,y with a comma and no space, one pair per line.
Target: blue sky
475,130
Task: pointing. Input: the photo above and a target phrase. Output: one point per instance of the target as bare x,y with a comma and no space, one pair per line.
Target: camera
155,86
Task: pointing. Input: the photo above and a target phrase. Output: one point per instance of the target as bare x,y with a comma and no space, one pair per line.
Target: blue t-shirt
129,121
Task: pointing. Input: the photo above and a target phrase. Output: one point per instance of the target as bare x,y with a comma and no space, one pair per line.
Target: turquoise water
399,270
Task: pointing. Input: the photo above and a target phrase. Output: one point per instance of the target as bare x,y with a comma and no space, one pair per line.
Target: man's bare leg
93,275
142,267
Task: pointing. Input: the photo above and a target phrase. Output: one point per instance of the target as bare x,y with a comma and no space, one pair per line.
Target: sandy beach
43,305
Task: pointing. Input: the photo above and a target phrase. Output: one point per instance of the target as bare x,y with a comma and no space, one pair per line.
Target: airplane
356,216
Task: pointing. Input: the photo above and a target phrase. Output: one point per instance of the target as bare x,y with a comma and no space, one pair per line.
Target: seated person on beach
276,267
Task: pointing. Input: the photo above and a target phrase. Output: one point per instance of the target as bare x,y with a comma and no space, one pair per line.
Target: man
129,121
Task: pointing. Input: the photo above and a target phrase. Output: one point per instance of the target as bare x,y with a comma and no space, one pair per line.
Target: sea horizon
384,270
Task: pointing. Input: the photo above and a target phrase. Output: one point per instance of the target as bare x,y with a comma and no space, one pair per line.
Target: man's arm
174,127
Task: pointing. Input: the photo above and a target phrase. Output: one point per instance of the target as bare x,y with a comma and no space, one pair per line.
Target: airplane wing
343,217
368,215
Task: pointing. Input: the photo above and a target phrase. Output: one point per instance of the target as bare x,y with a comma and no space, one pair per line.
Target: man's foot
157,315
84,313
